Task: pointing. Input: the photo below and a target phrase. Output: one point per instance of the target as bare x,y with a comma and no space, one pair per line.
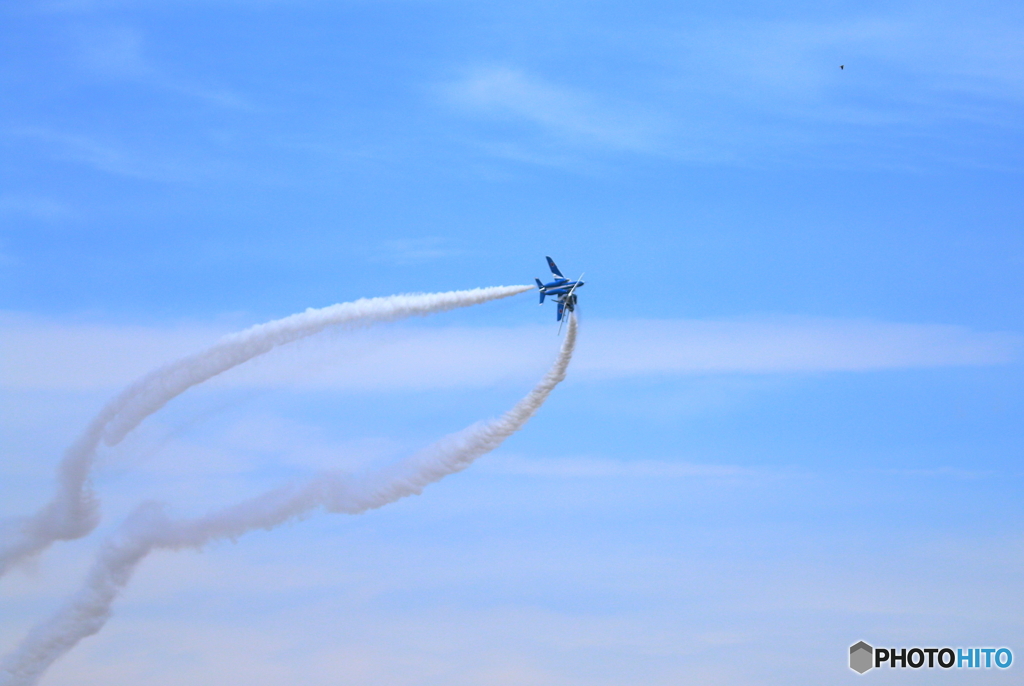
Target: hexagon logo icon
861,657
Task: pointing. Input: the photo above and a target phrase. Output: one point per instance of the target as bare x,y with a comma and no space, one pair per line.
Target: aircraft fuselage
560,288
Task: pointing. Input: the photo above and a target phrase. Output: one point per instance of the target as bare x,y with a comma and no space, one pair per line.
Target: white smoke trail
148,528
73,511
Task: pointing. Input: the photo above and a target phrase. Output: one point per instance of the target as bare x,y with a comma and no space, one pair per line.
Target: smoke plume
73,511
149,528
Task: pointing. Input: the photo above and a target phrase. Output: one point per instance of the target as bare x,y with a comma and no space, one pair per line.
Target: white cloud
43,354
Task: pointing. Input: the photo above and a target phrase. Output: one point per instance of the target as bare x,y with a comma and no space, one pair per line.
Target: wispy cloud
33,206
786,344
569,114
115,56
112,51
92,152
85,150
898,69
39,353
773,89
42,353
602,468
408,251
747,90
118,53
944,473
106,154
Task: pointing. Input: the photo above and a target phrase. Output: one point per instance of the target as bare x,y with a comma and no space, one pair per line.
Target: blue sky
795,414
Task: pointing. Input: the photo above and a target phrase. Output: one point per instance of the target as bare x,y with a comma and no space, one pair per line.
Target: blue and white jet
561,289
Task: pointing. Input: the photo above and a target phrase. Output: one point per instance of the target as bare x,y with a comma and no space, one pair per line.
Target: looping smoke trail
148,528
74,512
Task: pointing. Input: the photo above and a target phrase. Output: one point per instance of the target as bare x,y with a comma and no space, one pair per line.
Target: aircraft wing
575,285
554,269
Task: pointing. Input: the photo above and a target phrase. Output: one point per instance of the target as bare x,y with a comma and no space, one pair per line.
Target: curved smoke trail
149,528
73,511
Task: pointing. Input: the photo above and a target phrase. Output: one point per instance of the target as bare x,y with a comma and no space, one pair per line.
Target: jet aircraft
561,289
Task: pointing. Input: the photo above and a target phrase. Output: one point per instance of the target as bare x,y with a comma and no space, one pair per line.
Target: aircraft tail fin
540,287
